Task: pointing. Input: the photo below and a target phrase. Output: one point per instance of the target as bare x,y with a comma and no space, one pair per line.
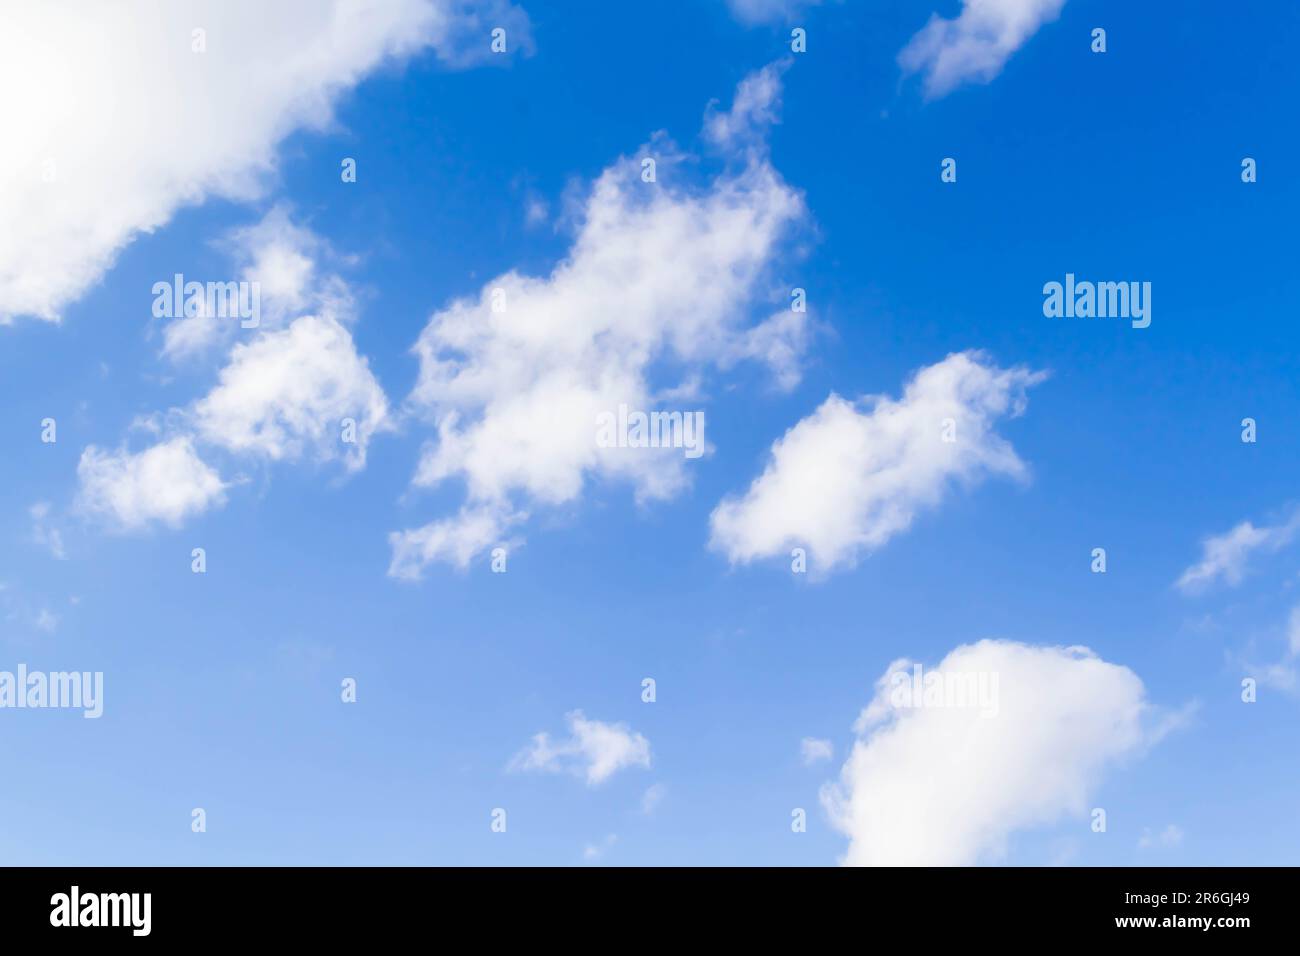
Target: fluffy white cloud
287,393
850,476
946,785
167,482
975,45
594,750
75,184
1226,555
292,388
812,750
278,258
659,274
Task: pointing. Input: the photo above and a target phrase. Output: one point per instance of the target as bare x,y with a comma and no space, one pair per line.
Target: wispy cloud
1171,836
43,533
814,750
1226,556
594,750
975,45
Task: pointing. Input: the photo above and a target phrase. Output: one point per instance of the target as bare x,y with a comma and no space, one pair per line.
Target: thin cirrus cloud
1282,673
975,45
594,750
75,187
850,476
44,533
754,12
291,390
946,785
1226,557
659,273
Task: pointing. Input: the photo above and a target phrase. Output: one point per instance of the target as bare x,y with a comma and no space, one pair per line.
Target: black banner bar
1171,905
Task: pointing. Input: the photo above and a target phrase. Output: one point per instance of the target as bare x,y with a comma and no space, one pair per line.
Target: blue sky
222,689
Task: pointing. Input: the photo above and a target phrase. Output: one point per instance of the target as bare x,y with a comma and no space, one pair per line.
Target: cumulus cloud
294,388
167,482
849,477
813,750
593,750
286,394
280,259
75,187
660,275
942,784
1225,556
974,46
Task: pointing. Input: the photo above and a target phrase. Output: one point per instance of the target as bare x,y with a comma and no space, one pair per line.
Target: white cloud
975,45
43,534
290,389
285,394
1226,555
755,108
75,184
812,750
47,621
752,12
280,259
659,274
536,211
594,750
850,476
946,786
167,482
594,851
1283,674
1280,675
1170,836
653,796
778,342
455,540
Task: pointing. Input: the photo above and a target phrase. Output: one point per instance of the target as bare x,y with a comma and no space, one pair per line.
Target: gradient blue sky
222,690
